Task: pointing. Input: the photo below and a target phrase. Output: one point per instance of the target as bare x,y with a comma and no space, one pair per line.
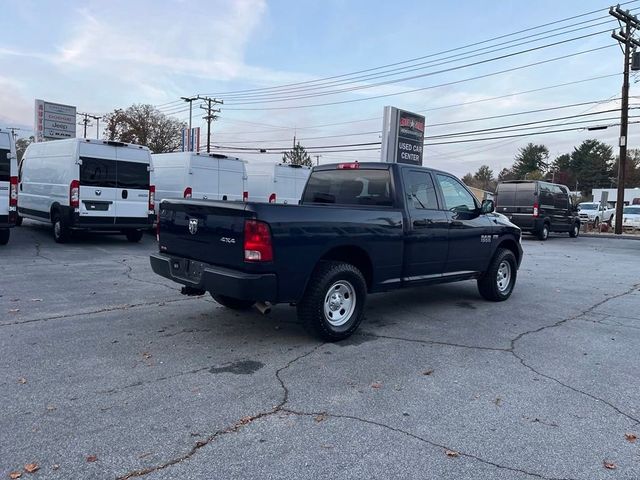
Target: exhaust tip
263,307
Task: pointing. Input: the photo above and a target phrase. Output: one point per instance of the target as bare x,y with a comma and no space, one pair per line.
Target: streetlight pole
190,100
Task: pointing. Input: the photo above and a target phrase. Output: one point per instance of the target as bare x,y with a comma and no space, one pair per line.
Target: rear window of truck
5,165
101,172
349,187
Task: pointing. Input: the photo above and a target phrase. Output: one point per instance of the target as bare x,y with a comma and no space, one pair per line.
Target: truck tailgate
204,230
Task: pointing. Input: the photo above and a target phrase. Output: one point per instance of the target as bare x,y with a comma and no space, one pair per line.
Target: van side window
560,198
421,193
98,172
456,197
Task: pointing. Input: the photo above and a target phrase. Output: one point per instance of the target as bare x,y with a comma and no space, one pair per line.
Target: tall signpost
625,37
402,136
54,121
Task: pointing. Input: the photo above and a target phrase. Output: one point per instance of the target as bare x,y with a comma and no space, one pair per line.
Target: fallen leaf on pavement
428,372
14,310
630,437
376,385
22,380
609,465
36,299
321,417
15,475
92,458
451,453
498,401
55,466
31,467
146,355
51,408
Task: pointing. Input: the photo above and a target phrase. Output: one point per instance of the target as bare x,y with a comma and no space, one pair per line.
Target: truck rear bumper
217,280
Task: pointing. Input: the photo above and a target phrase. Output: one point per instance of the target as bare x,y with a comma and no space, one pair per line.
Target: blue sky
104,55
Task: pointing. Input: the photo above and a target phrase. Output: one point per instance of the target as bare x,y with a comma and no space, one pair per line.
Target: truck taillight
13,191
74,194
348,166
257,242
272,198
536,212
152,197
188,193
245,196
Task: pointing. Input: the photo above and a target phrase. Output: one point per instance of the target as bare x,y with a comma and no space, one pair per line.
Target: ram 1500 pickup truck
359,228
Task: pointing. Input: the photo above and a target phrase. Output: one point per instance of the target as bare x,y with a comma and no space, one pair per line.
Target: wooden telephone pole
210,117
628,43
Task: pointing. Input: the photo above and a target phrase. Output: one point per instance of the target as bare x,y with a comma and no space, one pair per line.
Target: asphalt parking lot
106,371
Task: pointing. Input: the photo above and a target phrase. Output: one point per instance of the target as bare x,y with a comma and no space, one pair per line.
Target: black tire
350,290
488,284
575,230
543,233
596,223
232,303
4,236
61,233
18,221
134,236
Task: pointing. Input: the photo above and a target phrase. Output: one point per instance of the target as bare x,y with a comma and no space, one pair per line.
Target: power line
455,82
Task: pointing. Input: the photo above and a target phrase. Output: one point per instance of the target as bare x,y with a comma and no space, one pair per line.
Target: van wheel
543,233
134,236
18,221
232,303
496,284
4,236
575,231
332,306
61,233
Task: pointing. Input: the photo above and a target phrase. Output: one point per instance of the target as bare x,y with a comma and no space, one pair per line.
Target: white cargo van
83,184
8,185
198,175
279,183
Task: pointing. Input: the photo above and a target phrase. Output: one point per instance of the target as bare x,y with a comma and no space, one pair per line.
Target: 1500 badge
485,238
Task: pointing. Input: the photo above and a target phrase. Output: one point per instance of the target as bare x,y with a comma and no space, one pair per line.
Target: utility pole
625,37
13,132
210,117
190,100
317,159
97,119
85,121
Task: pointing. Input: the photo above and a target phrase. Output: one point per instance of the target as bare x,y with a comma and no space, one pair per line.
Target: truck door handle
422,223
125,194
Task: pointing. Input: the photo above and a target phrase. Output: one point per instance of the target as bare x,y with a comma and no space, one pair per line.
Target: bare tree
144,125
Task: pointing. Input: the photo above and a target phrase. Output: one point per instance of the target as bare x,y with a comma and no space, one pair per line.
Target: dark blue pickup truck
360,228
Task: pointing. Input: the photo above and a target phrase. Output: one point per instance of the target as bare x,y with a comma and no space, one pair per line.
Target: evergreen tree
297,156
530,158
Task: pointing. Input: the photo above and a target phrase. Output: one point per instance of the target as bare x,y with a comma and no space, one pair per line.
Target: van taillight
188,193
74,194
536,212
272,198
152,197
257,242
13,191
245,196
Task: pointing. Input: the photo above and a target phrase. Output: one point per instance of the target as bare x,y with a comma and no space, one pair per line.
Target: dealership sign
402,136
54,121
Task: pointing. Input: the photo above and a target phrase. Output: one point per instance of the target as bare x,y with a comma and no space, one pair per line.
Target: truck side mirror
488,206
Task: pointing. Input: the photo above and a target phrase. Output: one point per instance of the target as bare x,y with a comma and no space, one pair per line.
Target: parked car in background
198,175
83,184
360,228
538,207
630,218
279,183
595,213
8,185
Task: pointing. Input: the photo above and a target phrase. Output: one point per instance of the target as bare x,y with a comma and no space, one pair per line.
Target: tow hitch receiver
192,291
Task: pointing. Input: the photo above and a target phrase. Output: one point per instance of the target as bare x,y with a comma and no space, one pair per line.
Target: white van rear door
203,178
232,178
98,178
133,179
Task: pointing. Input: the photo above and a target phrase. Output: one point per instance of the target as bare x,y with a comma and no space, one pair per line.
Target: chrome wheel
504,276
339,303
57,229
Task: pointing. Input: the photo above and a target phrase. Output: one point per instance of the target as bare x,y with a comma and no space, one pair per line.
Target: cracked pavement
99,356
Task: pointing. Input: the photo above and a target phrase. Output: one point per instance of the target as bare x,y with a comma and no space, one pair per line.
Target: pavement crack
244,421
420,439
129,274
434,342
577,316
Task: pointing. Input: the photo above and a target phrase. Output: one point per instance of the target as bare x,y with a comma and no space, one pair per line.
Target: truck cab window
456,197
420,191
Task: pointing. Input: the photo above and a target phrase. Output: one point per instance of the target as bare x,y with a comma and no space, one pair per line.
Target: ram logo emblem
193,226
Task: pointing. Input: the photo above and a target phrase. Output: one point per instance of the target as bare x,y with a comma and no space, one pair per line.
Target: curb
610,235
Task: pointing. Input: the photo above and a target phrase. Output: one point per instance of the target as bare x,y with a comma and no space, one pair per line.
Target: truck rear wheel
333,304
133,236
496,284
232,303
4,236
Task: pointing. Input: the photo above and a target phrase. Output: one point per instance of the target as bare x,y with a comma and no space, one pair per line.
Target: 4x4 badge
193,226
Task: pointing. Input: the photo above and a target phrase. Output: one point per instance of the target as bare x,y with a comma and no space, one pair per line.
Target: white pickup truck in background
595,213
